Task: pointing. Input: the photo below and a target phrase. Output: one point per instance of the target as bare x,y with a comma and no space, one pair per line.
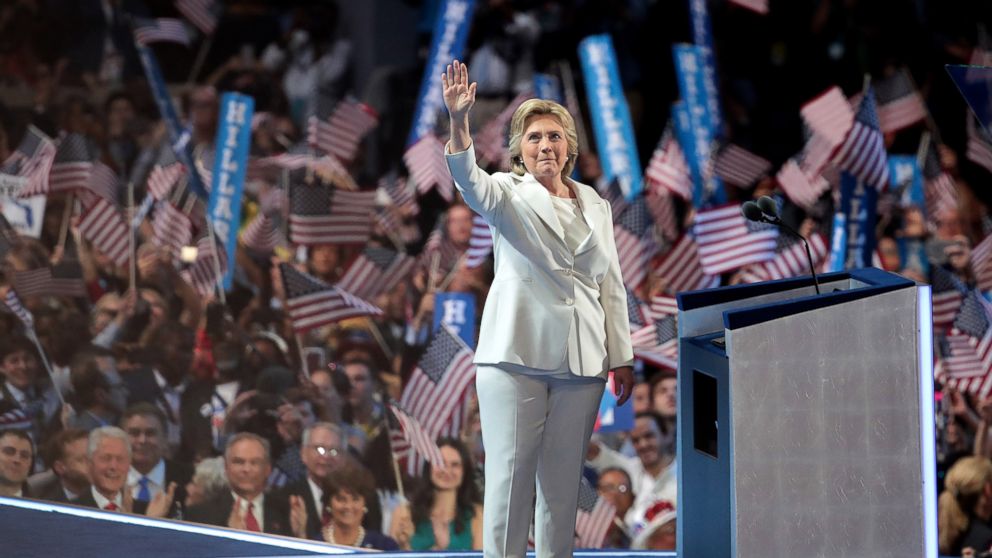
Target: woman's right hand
459,94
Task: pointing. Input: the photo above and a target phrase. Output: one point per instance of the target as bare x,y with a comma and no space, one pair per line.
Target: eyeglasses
325,451
619,488
11,451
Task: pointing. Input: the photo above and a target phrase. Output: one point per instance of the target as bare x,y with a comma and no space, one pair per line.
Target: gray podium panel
825,435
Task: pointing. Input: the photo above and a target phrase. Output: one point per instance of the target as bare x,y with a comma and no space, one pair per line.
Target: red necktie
250,522
110,506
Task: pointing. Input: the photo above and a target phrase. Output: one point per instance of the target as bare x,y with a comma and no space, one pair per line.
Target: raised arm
459,97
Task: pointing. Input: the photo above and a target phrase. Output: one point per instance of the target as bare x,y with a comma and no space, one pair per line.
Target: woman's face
449,478
543,146
347,508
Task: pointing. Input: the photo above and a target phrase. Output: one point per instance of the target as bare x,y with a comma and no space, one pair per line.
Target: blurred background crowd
135,385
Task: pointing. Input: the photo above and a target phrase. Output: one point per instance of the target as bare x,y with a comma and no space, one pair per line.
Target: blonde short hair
540,107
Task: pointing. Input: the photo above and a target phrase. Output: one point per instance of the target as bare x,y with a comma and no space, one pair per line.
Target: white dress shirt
318,495
156,480
102,501
258,508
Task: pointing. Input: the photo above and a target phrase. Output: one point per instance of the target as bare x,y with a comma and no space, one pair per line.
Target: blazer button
568,272
568,301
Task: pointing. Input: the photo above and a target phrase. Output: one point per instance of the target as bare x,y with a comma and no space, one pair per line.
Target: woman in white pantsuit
554,324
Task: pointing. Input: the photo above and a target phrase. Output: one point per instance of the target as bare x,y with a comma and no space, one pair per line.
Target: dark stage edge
30,528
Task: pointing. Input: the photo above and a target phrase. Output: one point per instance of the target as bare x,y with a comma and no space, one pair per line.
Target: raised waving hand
459,94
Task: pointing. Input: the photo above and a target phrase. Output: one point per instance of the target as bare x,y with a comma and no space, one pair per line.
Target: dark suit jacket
216,512
302,488
179,473
86,499
49,489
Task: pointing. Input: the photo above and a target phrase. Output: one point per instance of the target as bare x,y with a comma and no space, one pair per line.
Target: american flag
490,142
939,190
739,167
682,268
376,271
968,361
899,103
321,214
637,312
863,151
161,30
201,13
72,164
667,170
417,437
727,241
798,186
205,273
313,303
17,419
62,279
428,168
979,144
946,296
103,183
32,160
438,243
790,259
340,134
635,242
164,175
400,193
103,224
658,342
480,244
14,306
661,306
261,235
981,263
593,517
829,115
661,205
171,227
757,6
614,195
433,394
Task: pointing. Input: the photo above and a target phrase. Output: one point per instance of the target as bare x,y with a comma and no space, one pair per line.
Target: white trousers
535,430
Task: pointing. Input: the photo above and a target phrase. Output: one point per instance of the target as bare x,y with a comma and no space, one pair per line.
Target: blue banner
457,311
230,165
702,36
610,115
838,243
689,70
450,33
178,135
905,173
858,203
547,86
685,135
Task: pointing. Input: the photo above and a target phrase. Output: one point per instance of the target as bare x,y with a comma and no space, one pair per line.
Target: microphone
766,211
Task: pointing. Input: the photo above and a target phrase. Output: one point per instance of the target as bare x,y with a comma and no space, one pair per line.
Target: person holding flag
555,322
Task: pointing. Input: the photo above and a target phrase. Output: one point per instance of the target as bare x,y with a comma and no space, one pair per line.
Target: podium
806,422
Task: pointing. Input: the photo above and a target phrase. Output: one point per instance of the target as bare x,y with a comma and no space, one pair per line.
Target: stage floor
30,528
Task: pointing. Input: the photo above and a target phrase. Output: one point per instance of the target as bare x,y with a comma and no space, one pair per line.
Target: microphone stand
776,220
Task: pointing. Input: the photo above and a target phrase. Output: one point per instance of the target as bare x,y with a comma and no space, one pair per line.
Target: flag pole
392,457
201,57
451,274
131,242
303,359
377,333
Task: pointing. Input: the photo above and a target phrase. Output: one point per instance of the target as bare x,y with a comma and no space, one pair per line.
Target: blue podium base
30,528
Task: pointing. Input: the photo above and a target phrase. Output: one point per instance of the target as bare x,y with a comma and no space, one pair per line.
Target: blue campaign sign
230,165
178,136
702,36
450,33
547,86
838,242
610,114
858,202
457,311
689,68
905,173
612,418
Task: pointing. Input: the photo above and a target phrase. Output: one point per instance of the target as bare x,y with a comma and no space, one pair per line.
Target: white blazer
545,298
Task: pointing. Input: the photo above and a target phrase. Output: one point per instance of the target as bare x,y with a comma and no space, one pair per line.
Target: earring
365,510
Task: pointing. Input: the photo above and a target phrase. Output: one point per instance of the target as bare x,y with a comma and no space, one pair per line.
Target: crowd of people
151,395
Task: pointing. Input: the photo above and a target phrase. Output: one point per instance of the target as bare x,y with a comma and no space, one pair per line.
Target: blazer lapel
592,207
539,200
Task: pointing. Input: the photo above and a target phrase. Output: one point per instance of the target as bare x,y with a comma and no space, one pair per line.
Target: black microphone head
768,206
751,211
